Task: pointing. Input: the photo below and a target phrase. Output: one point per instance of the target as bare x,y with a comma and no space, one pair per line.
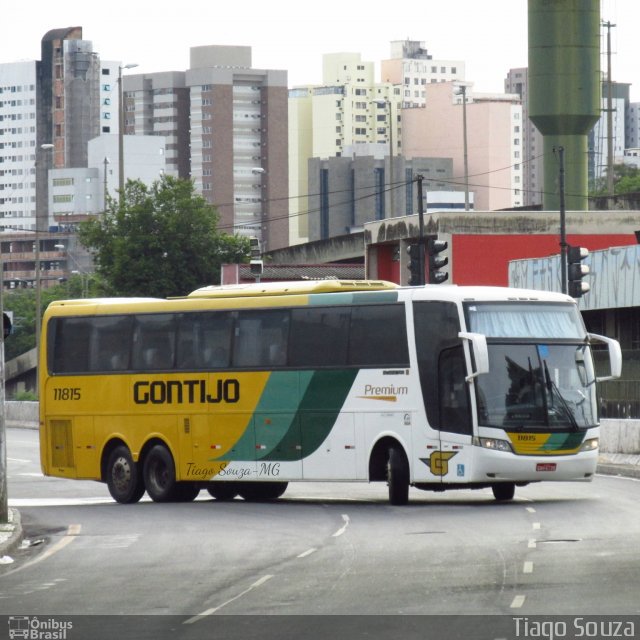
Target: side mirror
478,343
615,356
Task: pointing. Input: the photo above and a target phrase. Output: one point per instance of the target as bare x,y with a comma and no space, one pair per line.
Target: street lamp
121,130
462,90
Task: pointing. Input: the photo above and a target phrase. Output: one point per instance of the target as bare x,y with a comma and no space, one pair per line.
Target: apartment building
494,141
225,126
412,67
49,110
18,145
532,158
349,109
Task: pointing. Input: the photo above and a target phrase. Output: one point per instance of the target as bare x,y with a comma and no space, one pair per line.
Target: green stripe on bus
319,409
294,415
353,297
563,441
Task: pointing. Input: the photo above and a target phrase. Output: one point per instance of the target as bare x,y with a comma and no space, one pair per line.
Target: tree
161,241
626,179
22,302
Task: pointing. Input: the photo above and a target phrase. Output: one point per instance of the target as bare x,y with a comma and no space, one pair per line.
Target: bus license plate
546,466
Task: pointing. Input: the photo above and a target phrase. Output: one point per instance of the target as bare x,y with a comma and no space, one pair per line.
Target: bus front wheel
160,475
124,479
504,491
398,476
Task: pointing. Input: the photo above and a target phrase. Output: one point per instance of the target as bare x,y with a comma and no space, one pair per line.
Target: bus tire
124,479
504,491
397,476
160,475
222,491
262,491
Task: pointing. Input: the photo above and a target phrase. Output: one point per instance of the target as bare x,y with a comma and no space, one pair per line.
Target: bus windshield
541,370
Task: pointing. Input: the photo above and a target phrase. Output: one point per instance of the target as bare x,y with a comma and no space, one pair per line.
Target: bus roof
298,287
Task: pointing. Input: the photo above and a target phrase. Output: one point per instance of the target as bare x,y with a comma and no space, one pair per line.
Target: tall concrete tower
564,90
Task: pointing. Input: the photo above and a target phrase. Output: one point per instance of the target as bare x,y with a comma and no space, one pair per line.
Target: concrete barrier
620,436
616,435
21,414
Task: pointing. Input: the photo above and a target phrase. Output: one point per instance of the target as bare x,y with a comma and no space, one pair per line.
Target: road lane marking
531,510
343,528
518,601
73,531
213,610
62,502
532,543
536,525
528,567
306,553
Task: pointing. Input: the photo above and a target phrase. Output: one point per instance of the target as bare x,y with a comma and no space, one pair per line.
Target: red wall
388,268
484,259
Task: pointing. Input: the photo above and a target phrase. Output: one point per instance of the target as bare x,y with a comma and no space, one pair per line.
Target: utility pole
563,224
4,498
419,179
608,26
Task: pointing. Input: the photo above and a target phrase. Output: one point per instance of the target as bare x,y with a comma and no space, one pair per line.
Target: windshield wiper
552,387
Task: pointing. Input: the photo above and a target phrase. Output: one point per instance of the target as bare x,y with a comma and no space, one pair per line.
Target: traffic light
415,265
255,257
7,323
436,261
576,270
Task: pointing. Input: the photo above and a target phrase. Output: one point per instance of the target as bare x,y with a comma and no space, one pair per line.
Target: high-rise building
493,131
532,154
348,109
226,128
49,110
18,145
413,67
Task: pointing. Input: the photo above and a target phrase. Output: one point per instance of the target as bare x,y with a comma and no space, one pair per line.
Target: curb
622,470
10,533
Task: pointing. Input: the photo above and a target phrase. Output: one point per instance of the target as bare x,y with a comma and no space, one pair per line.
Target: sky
490,36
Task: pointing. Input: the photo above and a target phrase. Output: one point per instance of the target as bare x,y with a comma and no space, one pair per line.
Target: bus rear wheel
504,491
223,491
398,476
124,479
160,475
262,491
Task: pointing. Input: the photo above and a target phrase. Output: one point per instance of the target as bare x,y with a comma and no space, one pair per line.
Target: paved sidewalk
619,464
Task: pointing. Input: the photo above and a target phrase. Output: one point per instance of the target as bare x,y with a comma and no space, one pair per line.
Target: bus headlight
589,445
493,443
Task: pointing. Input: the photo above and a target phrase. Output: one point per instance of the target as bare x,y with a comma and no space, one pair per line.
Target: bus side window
68,337
109,345
261,339
319,336
153,342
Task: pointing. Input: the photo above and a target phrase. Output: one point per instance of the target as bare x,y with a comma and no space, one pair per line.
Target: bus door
445,393
455,423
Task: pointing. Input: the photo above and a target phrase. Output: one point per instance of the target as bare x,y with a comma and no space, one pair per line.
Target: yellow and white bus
243,389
